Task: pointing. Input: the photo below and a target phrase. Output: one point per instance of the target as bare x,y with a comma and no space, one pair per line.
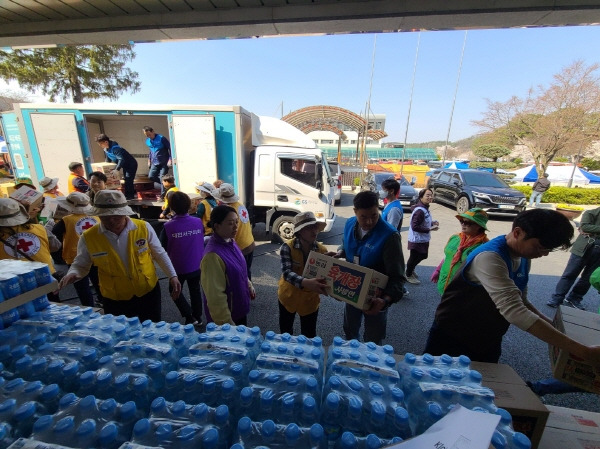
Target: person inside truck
116,154
77,181
159,157
489,293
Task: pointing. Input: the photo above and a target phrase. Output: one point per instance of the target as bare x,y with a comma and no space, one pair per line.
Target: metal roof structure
75,22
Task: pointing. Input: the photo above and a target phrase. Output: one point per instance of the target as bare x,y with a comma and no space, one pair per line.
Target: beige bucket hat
110,202
307,219
76,203
12,213
48,183
206,187
226,194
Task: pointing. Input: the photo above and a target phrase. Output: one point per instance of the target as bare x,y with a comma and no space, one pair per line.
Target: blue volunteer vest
370,248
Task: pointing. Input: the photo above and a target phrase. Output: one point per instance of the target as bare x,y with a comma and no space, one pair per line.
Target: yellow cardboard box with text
113,181
346,281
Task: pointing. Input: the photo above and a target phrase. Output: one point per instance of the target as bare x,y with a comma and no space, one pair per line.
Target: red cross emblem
245,213
24,245
87,225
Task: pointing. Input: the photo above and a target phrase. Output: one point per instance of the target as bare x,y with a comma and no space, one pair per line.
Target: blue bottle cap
401,415
309,404
428,359
25,411
210,438
33,387
108,406
338,341
221,414
108,434
86,428
49,392
141,427
372,442
140,383
292,433
316,432
200,411
67,400
128,411
65,425
333,401
187,433
348,440
178,408
87,403
158,404
42,424
268,428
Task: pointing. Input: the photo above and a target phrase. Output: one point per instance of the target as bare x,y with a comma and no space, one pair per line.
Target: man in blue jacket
159,157
371,242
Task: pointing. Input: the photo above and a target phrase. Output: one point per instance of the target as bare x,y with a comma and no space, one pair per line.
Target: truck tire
283,227
462,205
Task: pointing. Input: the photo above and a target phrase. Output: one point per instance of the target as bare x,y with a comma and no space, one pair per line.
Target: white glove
49,224
115,173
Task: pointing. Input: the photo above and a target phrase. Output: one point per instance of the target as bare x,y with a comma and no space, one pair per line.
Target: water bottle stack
362,393
87,422
18,277
267,433
178,424
350,441
505,436
434,385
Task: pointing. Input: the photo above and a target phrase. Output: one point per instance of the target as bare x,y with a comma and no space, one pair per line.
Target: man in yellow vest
77,181
225,194
68,230
124,250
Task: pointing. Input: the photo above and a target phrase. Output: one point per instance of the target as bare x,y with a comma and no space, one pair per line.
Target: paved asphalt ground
410,319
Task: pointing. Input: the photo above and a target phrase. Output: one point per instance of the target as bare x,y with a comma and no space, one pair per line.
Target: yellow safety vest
75,225
29,239
71,187
206,217
294,299
244,237
115,281
172,189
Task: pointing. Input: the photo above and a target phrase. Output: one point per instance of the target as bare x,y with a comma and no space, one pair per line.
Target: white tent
556,174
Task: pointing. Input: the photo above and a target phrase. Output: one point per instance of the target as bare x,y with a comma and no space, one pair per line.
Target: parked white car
336,173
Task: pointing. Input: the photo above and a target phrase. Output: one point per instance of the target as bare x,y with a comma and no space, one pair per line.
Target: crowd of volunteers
482,282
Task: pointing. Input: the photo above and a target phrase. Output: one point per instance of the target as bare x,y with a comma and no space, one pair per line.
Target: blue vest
394,204
369,248
498,245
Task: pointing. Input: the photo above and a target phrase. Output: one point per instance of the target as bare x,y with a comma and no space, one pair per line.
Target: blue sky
260,74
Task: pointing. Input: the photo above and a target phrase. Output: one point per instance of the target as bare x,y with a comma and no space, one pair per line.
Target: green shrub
565,195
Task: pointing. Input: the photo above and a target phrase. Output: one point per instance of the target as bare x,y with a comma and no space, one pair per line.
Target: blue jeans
375,325
129,171
584,265
535,196
157,171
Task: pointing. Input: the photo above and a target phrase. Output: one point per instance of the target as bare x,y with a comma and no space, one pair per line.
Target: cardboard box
346,281
114,181
583,327
6,188
572,429
27,196
528,412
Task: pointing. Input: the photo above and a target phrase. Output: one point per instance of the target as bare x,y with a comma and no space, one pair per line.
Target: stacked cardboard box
571,429
27,196
528,413
583,327
6,188
114,178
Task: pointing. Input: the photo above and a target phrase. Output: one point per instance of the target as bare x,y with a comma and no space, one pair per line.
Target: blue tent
594,179
557,173
457,165
531,176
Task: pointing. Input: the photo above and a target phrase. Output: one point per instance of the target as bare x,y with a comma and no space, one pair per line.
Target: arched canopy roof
320,117
309,127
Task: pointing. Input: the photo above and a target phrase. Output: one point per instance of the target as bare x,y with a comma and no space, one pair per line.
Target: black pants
193,313
439,342
146,307
129,171
249,258
415,258
308,323
82,287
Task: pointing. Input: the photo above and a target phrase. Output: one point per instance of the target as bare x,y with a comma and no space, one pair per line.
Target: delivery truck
276,169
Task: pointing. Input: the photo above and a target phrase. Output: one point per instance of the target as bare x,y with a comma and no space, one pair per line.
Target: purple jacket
238,296
184,238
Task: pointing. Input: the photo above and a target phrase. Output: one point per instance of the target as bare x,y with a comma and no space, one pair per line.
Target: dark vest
238,296
370,248
467,312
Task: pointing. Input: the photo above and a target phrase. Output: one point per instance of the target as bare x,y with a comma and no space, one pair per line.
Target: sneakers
575,305
413,279
552,304
405,291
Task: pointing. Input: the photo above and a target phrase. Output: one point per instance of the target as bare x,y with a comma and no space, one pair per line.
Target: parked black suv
407,195
475,188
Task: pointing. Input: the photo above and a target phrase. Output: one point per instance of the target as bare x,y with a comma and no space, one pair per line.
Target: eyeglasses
465,222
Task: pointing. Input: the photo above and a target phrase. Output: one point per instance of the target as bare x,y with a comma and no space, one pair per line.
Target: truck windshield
302,170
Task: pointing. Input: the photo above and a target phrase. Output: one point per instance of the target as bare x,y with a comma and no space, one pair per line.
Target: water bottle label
288,359
384,371
28,443
98,337
137,446
219,347
429,386
43,325
161,349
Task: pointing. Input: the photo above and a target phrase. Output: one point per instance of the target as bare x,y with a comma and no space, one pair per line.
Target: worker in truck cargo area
225,194
370,241
68,230
159,157
115,153
124,250
77,181
168,182
489,293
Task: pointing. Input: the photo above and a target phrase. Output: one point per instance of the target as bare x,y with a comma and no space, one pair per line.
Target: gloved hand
115,173
49,224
